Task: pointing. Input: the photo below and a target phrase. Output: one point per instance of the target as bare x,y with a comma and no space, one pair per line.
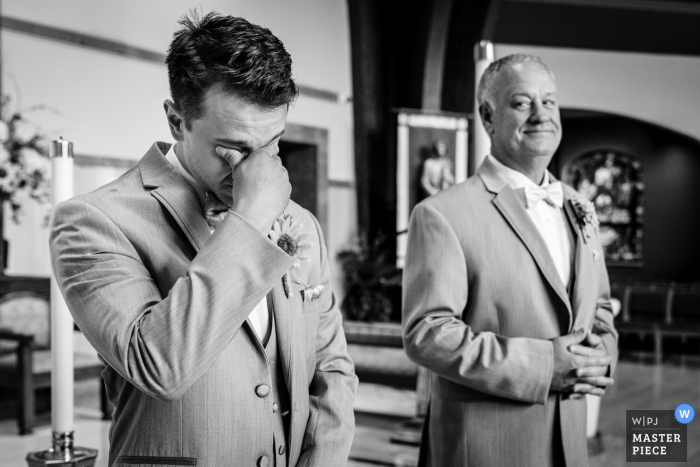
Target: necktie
214,211
552,194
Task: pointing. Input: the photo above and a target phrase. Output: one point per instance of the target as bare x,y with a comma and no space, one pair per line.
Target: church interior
386,101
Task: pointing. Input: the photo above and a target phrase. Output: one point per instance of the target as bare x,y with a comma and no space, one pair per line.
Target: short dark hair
241,57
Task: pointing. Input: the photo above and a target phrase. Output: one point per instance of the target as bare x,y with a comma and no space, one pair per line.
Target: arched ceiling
653,26
648,26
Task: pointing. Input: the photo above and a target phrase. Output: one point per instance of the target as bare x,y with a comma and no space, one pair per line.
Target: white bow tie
552,193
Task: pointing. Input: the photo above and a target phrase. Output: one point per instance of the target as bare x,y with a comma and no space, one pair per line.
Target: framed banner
431,156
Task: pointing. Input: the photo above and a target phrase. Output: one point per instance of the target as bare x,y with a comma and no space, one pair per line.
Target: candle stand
62,452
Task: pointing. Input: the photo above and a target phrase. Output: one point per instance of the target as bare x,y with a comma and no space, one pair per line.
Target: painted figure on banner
437,172
506,296
202,286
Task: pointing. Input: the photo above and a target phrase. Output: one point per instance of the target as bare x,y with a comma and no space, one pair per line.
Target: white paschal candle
402,188
61,320
483,56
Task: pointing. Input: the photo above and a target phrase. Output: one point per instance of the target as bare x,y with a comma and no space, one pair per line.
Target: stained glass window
611,181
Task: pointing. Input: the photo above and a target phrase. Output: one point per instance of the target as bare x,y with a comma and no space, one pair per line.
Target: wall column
483,56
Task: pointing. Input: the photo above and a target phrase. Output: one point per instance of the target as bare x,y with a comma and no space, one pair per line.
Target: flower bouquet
24,160
24,167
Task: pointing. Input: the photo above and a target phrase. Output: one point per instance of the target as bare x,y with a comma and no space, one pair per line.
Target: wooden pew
658,310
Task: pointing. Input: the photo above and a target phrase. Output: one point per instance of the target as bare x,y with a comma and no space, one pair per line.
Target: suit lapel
287,312
175,194
571,216
288,318
512,209
581,258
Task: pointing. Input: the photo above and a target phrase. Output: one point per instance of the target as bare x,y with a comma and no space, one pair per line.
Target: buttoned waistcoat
165,304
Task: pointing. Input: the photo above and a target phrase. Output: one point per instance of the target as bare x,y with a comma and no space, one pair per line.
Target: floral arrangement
288,234
585,211
372,280
24,160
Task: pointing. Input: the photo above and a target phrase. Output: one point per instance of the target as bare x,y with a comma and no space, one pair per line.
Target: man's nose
538,113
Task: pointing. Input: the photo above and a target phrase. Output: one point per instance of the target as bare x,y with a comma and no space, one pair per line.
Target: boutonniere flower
288,234
585,212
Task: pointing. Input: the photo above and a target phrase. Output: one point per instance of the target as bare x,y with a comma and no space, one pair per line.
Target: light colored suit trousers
482,301
165,303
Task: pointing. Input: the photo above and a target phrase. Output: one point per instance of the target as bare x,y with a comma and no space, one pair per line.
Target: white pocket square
310,294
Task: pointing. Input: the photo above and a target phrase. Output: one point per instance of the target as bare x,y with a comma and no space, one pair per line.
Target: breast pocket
313,304
160,461
312,307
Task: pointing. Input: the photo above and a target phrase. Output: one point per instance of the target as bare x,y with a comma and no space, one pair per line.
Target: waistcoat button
282,450
263,390
263,461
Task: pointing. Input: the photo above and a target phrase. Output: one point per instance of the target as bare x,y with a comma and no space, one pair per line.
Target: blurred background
383,84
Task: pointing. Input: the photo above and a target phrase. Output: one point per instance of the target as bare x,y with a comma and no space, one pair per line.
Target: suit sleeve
603,322
331,424
160,344
435,293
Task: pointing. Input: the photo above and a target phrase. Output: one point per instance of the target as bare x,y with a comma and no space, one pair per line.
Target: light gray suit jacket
165,303
482,300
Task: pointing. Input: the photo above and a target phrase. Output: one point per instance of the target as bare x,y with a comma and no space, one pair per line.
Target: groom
210,359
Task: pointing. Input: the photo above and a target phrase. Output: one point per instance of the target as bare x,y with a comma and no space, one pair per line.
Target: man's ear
486,114
175,121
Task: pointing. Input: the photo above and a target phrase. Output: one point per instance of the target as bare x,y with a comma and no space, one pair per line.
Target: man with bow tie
213,358
506,295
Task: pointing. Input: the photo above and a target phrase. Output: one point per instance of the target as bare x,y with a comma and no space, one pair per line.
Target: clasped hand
580,364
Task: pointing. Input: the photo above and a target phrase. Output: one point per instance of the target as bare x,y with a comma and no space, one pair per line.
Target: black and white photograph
349,233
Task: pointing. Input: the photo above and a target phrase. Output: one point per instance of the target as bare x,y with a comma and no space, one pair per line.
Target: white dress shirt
550,221
260,316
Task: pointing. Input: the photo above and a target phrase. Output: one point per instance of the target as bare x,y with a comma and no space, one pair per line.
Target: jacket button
275,407
264,461
263,390
282,450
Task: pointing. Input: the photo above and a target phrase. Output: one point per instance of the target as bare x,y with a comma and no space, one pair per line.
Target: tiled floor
90,430
640,386
380,411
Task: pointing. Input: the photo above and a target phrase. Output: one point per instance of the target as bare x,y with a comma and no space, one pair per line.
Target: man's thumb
577,336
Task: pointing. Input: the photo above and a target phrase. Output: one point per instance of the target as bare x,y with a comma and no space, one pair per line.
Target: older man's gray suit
482,301
165,303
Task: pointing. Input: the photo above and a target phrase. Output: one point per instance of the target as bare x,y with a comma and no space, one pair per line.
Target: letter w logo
684,413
